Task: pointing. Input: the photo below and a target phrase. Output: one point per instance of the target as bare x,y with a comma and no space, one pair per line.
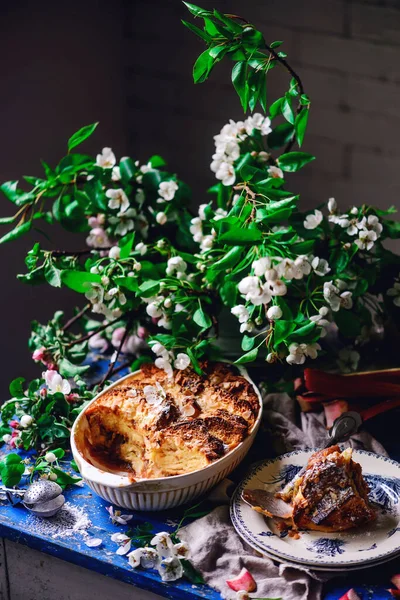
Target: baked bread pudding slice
330,495
155,426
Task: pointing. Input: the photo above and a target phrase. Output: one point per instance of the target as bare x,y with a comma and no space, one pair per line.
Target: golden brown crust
195,420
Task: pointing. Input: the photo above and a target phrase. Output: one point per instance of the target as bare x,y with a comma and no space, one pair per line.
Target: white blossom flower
394,292
175,264
154,310
226,173
320,266
95,294
274,313
275,172
182,550
373,224
301,267
332,205
141,248
163,543
125,221
97,238
335,299
26,421
134,557
249,326
116,174
117,199
165,322
167,189
348,360
258,121
313,220
164,365
299,352
117,517
320,320
182,361
124,547
241,312
277,288
261,265
106,159
249,285
196,229
119,538
366,239
114,252
161,218
170,569
55,383
207,241
7,438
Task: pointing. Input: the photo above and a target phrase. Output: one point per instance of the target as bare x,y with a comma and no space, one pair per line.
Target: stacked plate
361,548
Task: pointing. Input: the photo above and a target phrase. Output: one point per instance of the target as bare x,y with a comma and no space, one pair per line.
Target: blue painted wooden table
17,525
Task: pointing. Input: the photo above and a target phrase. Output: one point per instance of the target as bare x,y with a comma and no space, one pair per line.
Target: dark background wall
128,65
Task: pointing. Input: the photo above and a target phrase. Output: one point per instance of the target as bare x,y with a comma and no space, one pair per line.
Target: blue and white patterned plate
373,542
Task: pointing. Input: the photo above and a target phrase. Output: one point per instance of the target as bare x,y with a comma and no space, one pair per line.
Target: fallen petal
350,595
244,581
93,542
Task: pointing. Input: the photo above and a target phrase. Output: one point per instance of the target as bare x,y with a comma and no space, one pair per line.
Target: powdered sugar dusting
69,521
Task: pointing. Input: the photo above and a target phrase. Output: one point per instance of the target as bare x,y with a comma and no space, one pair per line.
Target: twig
76,252
73,320
92,333
111,366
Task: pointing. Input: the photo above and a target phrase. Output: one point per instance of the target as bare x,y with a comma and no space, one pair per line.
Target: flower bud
161,218
50,457
274,313
26,421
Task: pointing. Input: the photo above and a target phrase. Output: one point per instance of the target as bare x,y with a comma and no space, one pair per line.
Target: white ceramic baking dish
164,492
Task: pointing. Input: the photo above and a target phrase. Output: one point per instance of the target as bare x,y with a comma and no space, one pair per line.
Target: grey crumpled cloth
219,553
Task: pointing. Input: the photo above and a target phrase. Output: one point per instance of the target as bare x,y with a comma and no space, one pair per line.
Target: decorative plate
375,541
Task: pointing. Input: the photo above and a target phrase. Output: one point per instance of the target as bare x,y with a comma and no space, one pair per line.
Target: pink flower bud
12,444
14,434
51,366
39,354
142,333
71,398
43,392
14,424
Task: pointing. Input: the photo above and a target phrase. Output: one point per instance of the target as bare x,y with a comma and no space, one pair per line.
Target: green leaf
302,332
10,190
229,260
130,283
276,44
242,236
68,369
300,125
6,220
80,136
202,319
157,161
349,323
11,470
53,275
202,67
195,362
276,108
191,573
287,110
248,357
127,169
16,232
196,10
282,329
232,25
149,288
126,245
17,387
64,479
239,80
202,34
79,281
293,161
281,135
248,343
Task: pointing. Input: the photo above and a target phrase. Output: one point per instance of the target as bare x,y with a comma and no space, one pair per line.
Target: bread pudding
331,495
154,426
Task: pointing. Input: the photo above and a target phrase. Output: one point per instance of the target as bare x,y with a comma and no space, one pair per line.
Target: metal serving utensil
43,498
265,502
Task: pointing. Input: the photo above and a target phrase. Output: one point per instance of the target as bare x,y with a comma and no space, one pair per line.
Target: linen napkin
219,553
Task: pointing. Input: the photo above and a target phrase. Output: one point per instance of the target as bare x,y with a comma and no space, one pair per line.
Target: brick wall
346,51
